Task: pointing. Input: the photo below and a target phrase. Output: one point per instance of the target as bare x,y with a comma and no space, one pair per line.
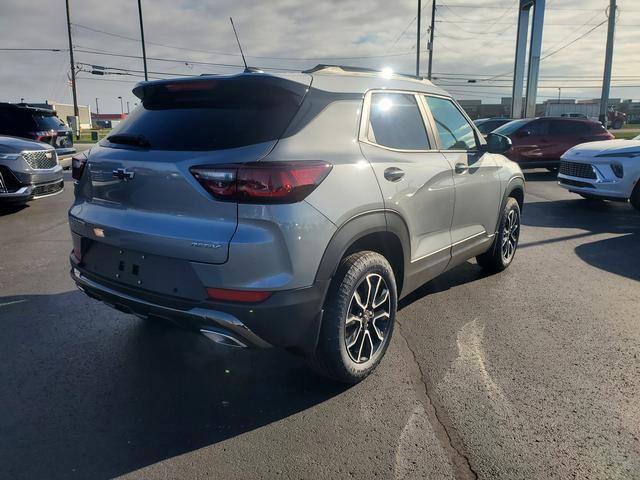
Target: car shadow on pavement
540,176
592,217
91,393
466,273
11,209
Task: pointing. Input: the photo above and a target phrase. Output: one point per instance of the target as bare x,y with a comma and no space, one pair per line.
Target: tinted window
454,130
13,120
47,122
395,122
569,128
214,114
538,128
489,126
511,127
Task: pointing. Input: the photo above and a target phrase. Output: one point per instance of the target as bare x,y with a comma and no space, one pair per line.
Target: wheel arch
380,231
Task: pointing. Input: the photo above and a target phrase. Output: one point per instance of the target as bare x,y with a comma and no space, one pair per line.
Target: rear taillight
78,163
262,182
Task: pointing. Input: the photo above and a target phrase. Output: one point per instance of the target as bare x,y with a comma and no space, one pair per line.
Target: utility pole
559,93
97,108
144,52
127,107
608,61
418,39
433,25
121,107
76,112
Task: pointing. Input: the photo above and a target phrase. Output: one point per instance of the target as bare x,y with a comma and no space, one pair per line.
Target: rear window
214,114
489,126
47,122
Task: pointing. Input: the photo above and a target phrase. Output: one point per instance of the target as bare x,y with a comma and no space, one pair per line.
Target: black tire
497,258
635,197
356,274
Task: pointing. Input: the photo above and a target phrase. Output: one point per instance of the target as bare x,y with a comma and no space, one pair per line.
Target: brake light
40,135
78,162
241,296
262,182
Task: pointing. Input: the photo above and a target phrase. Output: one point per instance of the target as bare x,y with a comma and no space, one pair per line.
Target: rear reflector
262,182
241,296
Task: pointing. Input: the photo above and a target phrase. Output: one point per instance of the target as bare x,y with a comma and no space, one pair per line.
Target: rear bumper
289,319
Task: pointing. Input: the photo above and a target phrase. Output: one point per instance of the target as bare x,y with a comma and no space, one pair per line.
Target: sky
474,40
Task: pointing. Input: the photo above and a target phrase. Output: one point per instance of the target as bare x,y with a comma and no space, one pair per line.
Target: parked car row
590,161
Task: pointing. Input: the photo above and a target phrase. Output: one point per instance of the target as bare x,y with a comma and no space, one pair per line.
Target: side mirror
497,143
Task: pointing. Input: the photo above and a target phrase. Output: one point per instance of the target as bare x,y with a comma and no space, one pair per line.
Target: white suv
608,170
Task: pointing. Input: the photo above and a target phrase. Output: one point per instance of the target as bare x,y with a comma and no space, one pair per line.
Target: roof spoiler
330,68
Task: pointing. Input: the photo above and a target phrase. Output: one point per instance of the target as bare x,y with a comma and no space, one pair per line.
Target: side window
455,131
538,128
569,128
395,121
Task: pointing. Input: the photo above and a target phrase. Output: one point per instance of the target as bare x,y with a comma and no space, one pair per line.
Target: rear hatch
137,189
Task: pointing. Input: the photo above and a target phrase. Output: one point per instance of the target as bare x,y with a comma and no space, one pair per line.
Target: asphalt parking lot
533,373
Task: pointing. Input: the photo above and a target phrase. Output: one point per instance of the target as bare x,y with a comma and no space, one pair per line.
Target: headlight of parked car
9,156
617,169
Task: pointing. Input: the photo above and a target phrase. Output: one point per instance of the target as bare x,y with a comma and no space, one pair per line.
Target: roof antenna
246,68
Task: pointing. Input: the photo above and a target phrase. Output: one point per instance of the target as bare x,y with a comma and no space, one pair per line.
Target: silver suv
290,210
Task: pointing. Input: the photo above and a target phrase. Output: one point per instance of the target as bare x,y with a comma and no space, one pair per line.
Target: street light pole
608,61
121,106
76,112
144,52
418,39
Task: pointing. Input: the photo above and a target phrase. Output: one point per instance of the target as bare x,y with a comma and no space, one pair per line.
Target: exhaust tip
223,338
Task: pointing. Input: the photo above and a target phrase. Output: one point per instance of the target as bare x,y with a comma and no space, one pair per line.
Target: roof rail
346,68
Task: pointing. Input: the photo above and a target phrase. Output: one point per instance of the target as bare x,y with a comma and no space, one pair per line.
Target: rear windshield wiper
126,139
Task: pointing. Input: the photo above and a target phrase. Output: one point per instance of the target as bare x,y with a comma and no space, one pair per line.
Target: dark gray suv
290,210
28,170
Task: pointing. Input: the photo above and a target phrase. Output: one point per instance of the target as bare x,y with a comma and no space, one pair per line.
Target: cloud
283,33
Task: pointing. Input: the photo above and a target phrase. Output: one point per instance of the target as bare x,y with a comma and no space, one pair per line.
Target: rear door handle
461,168
393,174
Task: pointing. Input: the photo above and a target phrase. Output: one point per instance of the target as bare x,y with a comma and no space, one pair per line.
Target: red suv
540,142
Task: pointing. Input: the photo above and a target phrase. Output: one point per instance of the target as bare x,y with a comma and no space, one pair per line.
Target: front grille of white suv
574,169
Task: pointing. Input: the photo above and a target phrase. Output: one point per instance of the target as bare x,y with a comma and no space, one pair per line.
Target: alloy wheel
510,235
368,318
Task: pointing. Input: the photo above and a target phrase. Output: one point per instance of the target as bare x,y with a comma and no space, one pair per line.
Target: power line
574,40
212,52
5,49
